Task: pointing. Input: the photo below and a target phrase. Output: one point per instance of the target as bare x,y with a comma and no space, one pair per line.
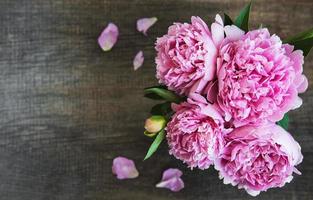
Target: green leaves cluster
302,41
161,109
242,20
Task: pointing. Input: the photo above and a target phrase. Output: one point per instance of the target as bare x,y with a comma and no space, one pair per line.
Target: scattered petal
124,168
171,180
108,37
138,60
144,24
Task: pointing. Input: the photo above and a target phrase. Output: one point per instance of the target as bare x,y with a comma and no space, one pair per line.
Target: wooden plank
67,108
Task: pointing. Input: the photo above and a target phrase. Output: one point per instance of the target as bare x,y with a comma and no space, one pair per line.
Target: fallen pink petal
144,24
108,37
124,168
171,180
138,60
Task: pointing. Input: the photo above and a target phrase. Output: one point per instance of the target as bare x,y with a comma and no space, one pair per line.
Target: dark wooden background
67,108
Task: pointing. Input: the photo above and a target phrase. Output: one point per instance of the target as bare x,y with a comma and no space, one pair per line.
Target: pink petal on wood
171,180
138,60
108,37
124,168
144,24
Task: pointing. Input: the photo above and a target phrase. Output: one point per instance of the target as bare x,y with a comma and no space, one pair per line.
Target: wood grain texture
67,108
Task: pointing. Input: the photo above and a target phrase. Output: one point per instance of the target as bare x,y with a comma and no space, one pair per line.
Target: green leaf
284,122
161,109
162,93
158,86
155,144
242,21
227,20
153,96
302,41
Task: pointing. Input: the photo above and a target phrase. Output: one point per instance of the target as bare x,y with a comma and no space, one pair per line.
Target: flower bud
155,123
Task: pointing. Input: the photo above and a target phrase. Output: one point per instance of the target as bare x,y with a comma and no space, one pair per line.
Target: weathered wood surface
67,108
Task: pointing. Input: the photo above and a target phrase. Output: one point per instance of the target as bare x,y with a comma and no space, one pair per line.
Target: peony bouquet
226,92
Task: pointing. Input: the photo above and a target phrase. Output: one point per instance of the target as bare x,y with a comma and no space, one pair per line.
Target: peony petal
199,24
195,98
252,192
288,144
233,32
218,19
297,103
124,168
217,30
304,84
144,24
171,180
298,60
108,37
212,111
198,86
211,91
170,173
138,60
210,59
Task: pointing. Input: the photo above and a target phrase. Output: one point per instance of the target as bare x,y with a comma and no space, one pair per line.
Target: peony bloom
186,55
259,78
194,133
259,158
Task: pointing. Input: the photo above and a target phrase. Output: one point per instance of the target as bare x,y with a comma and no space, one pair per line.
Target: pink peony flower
194,133
259,78
257,158
186,55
